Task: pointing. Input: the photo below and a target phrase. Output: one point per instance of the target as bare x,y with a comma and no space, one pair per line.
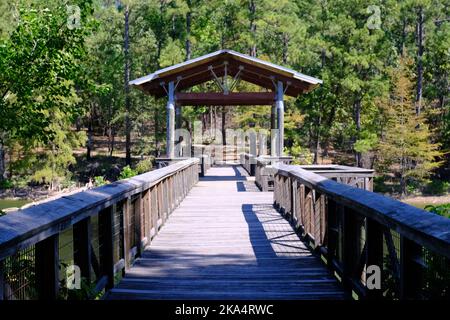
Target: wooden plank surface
226,241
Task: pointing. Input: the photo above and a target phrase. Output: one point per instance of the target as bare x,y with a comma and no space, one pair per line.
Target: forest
68,115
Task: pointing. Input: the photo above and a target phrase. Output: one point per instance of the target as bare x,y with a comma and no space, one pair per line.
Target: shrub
144,166
441,209
100,181
301,155
6,184
437,187
127,172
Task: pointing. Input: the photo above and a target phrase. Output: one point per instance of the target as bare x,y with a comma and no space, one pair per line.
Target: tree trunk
89,142
317,147
419,32
252,11
285,48
2,161
188,30
127,90
357,110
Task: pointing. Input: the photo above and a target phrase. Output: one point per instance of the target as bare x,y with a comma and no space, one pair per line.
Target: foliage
127,172
100,181
301,155
441,209
437,187
77,74
406,147
144,166
6,184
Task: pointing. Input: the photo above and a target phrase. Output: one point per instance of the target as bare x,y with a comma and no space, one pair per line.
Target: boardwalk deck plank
225,241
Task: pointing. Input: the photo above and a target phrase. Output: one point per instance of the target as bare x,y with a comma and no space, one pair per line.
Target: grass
10,203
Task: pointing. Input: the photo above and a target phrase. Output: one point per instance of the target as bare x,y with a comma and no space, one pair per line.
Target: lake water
8,203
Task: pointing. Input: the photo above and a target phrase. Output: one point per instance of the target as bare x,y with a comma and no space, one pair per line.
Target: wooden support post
137,223
410,270
374,252
301,206
273,135
146,214
280,114
82,247
170,122
293,199
126,232
332,237
348,248
106,233
47,268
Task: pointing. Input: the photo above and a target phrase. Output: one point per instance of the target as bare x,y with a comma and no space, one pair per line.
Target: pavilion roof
216,64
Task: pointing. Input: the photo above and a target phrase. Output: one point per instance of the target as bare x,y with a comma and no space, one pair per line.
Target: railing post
82,247
410,270
47,268
106,233
294,201
331,232
126,232
348,248
301,206
137,223
374,253
146,221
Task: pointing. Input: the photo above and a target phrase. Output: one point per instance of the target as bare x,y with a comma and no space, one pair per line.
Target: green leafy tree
40,73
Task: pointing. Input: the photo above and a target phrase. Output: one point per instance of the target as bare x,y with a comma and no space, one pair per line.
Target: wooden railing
100,231
264,171
352,229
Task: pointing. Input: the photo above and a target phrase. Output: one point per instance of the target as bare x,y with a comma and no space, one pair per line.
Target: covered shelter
219,66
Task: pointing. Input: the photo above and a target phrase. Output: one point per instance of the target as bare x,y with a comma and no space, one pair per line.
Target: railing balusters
354,229
47,268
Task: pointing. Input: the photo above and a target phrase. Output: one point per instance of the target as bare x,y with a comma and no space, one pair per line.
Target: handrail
352,227
145,202
26,227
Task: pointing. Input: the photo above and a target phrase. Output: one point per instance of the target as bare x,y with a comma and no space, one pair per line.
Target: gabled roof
250,69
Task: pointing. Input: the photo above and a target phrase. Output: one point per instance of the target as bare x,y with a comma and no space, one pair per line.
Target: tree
405,148
40,73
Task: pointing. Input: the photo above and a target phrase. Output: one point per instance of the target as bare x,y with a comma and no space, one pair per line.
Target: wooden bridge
167,235
226,241
314,232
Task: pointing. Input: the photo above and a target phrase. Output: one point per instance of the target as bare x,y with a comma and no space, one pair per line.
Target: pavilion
218,66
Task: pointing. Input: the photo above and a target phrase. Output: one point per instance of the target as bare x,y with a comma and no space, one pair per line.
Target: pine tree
405,148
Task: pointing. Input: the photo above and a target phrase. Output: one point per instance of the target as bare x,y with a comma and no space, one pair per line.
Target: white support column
280,113
273,127
170,121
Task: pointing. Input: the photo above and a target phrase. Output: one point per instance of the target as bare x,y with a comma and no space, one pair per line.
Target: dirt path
422,201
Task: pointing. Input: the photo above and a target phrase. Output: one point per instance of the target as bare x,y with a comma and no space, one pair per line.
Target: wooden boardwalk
225,241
